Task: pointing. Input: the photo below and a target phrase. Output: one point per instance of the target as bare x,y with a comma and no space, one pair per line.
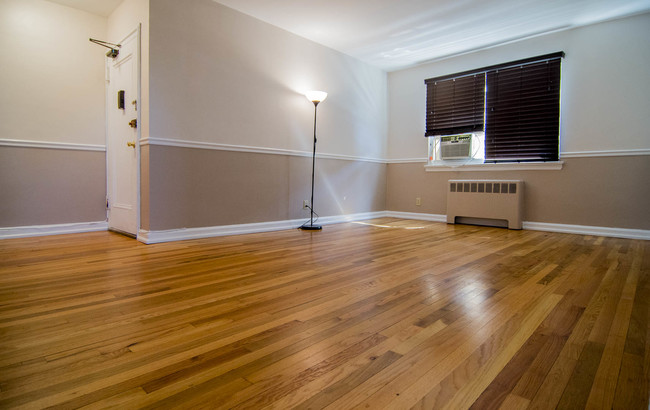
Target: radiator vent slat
492,200
484,187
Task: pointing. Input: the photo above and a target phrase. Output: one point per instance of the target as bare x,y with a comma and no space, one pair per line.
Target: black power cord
308,222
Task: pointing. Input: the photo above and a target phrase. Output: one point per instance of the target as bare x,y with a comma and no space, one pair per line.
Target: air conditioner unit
456,146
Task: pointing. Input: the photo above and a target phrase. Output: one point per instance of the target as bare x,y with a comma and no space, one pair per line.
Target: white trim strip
543,226
608,153
511,166
59,229
4,142
245,148
150,237
589,230
576,154
406,160
417,216
51,145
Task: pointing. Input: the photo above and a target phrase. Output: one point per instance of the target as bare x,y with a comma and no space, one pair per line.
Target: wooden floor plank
385,313
556,379
604,386
526,371
470,379
440,355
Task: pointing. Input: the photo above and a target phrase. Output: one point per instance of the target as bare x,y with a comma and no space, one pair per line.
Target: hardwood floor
382,314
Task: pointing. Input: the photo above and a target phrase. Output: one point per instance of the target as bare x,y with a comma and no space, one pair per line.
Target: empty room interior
458,218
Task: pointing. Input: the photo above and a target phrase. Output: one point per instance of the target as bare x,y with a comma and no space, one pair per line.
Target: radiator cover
498,200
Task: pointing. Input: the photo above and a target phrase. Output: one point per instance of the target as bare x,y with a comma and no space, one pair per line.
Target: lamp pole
315,97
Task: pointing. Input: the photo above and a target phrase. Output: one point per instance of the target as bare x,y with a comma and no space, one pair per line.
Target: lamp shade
316,96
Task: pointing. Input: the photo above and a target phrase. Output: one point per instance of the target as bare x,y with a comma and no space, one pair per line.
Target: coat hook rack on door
113,52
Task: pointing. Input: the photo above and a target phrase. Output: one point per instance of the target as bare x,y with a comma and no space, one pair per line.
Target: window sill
514,166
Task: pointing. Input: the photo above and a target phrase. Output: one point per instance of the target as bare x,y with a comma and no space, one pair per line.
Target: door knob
131,144
133,123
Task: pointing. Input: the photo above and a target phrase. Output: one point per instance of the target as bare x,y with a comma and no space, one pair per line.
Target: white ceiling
393,34
99,7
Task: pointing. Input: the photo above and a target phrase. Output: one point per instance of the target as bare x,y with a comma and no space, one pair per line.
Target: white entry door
122,145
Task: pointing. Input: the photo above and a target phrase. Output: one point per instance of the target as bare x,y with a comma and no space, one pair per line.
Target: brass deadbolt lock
133,123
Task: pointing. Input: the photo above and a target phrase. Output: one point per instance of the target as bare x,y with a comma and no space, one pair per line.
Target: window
517,104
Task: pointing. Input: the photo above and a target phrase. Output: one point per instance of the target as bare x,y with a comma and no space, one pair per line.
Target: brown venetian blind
455,105
523,112
521,106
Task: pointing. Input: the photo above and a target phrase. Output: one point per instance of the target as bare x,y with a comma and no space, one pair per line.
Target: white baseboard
589,230
543,226
59,229
417,216
150,237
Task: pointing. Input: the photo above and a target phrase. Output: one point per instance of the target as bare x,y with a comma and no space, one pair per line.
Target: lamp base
311,227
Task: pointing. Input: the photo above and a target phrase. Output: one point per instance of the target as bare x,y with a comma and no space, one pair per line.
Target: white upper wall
220,76
52,78
606,69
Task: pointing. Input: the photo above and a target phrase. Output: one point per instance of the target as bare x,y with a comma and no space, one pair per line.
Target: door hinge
107,203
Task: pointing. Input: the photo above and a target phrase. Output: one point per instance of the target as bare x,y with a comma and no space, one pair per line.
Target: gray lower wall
191,188
40,186
144,188
596,191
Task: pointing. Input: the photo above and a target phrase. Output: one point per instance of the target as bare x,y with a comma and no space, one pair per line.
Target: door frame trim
138,61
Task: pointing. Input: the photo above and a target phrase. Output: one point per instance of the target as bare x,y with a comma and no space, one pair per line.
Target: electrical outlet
418,201
305,204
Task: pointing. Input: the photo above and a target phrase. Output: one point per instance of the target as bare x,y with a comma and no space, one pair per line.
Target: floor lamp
315,97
